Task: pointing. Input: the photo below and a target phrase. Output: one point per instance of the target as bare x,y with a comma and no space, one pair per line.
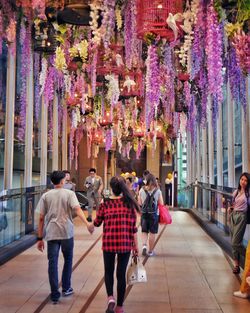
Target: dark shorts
149,223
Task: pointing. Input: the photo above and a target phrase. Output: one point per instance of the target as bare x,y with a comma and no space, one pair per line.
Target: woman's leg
151,241
109,266
238,230
122,263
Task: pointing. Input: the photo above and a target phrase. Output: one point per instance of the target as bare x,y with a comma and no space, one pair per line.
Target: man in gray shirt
56,208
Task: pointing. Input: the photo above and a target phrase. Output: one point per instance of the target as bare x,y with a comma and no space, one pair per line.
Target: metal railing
210,201
17,212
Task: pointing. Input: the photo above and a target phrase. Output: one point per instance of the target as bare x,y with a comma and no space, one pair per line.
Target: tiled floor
189,274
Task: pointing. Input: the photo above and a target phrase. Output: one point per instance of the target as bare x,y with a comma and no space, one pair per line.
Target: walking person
150,196
244,291
68,182
118,215
238,219
94,186
56,208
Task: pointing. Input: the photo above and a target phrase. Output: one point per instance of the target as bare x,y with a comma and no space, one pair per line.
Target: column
29,127
55,134
204,156
9,119
219,148
189,159
205,195
198,153
210,143
44,142
65,139
230,121
245,139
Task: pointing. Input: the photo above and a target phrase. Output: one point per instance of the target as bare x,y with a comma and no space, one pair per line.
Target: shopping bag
164,215
136,272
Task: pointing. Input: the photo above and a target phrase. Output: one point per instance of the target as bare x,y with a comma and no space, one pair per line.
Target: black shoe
55,301
67,292
89,219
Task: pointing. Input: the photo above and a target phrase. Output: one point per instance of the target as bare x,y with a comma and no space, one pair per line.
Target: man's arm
40,242
81,215
101,186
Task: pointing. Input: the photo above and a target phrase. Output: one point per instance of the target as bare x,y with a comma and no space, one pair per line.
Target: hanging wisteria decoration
37,87
108,21
25,40
214,59
132,44
237,80
108,139
78,138
152,85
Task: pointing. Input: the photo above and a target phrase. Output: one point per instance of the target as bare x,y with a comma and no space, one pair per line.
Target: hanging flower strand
152,85
214,58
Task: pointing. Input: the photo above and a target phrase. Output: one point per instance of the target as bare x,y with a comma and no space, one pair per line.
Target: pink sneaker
119,309
111,305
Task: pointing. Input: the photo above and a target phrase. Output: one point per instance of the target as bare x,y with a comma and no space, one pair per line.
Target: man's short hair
145,173
92,169
66,172
57,176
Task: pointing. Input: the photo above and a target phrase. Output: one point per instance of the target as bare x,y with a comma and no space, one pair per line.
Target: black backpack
150,204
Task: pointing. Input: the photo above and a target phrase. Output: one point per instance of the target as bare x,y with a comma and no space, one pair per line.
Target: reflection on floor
189,274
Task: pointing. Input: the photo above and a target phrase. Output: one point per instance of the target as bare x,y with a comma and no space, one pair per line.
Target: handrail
206,187
6,197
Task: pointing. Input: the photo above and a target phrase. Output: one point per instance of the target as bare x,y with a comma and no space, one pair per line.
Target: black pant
109,267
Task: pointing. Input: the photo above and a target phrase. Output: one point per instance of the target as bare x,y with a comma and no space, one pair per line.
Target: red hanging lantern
152,17
110,61
97,136
105,120
138,132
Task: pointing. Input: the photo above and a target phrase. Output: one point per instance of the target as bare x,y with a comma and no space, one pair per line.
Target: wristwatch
39,238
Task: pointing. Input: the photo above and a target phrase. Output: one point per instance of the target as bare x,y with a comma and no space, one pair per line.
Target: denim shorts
150,223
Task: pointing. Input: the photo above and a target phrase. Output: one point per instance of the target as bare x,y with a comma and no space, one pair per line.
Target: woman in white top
150,197
238,219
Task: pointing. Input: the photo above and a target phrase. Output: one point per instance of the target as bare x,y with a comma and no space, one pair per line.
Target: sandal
236,269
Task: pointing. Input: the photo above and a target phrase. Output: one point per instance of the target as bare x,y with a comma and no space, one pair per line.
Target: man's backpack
150,204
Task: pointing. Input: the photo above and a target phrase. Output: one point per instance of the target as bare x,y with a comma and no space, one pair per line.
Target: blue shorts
150,223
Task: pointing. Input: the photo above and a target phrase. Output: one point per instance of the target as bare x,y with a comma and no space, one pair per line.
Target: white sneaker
151,253
240,294
144,250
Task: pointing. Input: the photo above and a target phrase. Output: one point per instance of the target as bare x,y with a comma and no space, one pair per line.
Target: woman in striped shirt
118,215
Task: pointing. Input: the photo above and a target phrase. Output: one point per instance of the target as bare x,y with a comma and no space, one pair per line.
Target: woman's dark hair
119,186
57,176
248,182
151,180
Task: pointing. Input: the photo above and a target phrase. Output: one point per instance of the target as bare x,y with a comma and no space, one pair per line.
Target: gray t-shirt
143,195
58,206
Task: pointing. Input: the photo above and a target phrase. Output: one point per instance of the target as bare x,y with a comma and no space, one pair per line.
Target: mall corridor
189,274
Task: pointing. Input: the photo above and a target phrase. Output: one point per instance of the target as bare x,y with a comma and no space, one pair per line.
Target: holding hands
91,228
